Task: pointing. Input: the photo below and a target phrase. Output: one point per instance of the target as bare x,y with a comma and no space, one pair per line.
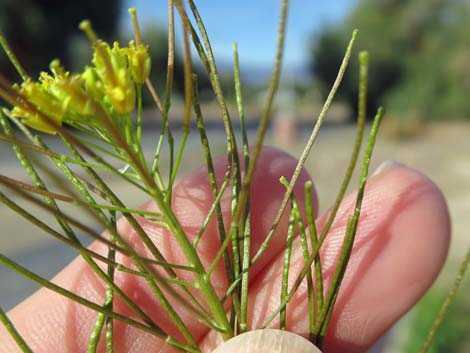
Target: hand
401,244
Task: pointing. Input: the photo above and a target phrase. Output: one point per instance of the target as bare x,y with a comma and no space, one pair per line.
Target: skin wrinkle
38,328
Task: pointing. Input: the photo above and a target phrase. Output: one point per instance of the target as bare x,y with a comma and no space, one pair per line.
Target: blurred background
419,71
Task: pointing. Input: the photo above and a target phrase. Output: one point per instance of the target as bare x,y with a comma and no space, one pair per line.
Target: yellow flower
139,62
76,101
112,68
49,114
69,90
93,84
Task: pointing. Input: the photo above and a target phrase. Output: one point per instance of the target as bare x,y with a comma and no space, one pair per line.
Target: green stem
139,113
79,143
190,252
176,166
314,307
211,68
243,318
103,319
188,97
314,253
51,202
213,75
149,327
245,229
96,333
110,295
85,253
141,266
167,103
193,258
308,147
445,305
215,205
211,172
153,249
14,333
215,191
12,57
287,259
274,84
362,105
240,105
349,237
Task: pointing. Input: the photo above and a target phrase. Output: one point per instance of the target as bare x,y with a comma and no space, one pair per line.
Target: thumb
267,341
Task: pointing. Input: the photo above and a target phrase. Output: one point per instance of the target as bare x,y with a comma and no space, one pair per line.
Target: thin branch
14,332
447,301
307,148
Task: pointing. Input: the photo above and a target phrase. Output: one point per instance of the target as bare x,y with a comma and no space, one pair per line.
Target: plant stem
152,248
151,328
314,253
308,147
245,222
287,259
447,301
213,76
14,333
350,235
274,83
362,115
217,194
140,265
103,319
188,97
314,307
139,114
83,252
12,57
109,301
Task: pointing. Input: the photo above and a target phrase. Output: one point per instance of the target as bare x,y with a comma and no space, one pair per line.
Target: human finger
401,244
50,322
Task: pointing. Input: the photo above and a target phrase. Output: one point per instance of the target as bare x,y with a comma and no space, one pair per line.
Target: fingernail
267,341
386,165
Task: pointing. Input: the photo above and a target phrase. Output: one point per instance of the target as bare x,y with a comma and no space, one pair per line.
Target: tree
418,49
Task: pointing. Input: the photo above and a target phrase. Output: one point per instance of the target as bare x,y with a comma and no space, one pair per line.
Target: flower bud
139,62
49,113
112,68
93,84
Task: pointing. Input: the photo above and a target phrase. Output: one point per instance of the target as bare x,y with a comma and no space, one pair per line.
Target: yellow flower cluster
114,81
62,97
46,104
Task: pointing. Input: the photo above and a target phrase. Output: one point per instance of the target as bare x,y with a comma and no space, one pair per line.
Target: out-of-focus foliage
41,30
420,56
452,336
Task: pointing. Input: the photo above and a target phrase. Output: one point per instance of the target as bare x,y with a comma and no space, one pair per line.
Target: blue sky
253,25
